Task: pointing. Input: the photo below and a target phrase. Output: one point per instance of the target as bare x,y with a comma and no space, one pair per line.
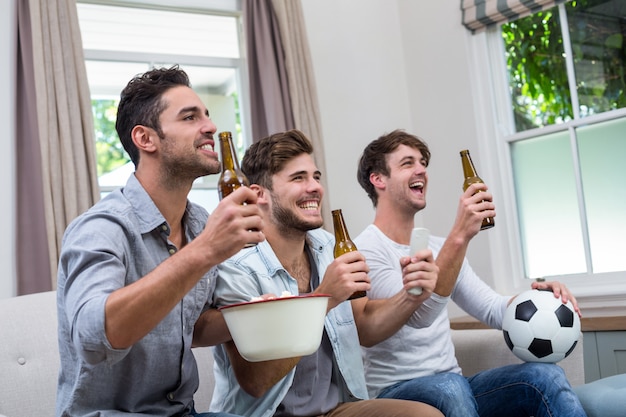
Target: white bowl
277,328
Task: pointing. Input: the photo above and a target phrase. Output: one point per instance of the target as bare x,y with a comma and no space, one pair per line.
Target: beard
405,200
288,221
186,166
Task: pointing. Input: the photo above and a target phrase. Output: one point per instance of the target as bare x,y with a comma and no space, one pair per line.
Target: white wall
7,156
359,68
381,65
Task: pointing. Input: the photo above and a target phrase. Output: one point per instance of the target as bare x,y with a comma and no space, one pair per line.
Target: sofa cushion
29,355
480,349
604,397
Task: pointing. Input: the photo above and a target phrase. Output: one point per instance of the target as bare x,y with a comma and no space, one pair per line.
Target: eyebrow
192,109
303,172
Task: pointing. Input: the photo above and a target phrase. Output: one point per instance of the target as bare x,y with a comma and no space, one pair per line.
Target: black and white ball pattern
538,327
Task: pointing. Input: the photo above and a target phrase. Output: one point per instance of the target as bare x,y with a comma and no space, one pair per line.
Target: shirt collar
144,208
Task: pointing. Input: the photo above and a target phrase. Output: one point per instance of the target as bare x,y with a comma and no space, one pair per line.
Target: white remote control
419,241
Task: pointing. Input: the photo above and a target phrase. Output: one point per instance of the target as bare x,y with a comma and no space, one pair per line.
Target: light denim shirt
256,271
115,243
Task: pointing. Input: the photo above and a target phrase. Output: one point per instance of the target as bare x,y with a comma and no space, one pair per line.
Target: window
124,40
561,128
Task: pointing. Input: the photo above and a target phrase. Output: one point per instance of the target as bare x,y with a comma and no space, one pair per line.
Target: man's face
407,180
187,145
296,196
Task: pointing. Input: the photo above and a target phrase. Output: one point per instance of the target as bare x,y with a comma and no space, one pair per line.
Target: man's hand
345,275
421,271
559,290
231,225
475,205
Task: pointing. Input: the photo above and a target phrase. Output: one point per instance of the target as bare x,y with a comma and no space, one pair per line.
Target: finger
556,289
252,223
350,257
255,236
423,255
243,195
476,187
404,261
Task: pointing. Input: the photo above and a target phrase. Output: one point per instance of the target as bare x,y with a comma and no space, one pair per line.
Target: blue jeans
527,389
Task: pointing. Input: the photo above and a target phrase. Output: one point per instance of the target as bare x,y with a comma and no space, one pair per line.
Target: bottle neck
229,160
468,166
341,232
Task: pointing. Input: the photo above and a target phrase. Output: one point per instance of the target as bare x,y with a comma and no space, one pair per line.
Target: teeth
417,184
207,147
309,205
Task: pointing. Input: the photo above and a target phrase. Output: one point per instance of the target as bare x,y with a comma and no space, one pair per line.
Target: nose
209,126
314,186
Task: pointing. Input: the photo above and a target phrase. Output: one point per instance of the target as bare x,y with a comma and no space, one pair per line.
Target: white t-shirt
423,346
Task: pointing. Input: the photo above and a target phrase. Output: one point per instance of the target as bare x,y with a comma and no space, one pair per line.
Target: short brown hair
270,154
374,157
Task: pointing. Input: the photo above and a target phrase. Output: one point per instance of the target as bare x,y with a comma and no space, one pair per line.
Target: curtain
60,180
270,103
33,268
302,88
290,92
480,14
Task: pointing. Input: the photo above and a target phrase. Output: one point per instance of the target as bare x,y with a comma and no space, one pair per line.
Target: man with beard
297,256
137,270
419,363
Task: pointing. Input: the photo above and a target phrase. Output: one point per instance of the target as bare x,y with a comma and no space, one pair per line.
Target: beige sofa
29,358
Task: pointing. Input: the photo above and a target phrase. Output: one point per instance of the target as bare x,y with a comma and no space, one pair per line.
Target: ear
261,193
144,138
377,181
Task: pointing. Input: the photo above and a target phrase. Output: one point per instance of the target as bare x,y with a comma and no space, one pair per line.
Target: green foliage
536,64
597,33
537,72
110,153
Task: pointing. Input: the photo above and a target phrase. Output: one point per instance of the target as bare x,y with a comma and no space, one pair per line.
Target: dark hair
374,158
140,103
269,155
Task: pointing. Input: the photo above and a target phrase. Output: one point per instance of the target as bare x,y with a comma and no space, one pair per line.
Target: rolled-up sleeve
91,267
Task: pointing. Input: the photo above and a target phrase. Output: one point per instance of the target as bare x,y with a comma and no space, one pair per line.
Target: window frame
597,293
231,8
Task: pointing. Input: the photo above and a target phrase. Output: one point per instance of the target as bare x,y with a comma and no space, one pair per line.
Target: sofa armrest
481,349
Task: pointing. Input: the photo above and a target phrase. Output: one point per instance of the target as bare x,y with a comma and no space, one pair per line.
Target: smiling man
419,363
297,256
137,270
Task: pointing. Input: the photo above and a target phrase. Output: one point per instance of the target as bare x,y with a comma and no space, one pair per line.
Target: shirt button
164,228
21,361
170,396
172,251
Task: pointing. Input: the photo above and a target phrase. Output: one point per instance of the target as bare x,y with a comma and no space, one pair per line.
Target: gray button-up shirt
115,243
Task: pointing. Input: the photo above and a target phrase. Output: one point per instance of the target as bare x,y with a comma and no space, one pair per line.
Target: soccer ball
538,327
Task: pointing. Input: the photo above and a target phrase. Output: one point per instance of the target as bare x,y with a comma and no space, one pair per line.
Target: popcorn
282,295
